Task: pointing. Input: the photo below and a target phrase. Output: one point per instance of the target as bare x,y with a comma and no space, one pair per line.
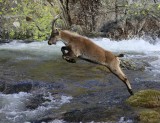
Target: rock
139,26
126,64
17,87
76,28
43,120
145,98
16,24
129,64
86,115
75,115
35,101
2,86
149,116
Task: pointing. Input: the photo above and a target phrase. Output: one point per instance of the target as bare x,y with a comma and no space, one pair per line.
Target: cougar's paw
68,59
65,57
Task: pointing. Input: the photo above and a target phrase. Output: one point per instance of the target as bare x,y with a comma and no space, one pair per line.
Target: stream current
37,85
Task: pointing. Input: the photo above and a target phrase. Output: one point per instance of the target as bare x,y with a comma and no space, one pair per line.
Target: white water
13,108
135,45
122,120
137,48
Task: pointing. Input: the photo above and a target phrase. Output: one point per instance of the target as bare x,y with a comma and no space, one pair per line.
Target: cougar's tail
120,55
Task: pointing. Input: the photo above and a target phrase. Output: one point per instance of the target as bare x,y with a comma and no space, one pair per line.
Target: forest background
115,19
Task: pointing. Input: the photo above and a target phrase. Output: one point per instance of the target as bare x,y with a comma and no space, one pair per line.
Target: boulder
148,105
149,116
136,26
145,98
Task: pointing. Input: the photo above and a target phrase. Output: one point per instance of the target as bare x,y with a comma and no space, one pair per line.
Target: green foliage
141,9
158,7
12,33
39,25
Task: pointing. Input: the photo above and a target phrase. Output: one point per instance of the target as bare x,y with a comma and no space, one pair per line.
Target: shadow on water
96,95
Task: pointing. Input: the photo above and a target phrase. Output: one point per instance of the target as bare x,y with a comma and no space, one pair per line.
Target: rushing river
37,85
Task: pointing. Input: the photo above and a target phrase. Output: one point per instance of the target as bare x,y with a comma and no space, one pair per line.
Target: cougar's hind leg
116,70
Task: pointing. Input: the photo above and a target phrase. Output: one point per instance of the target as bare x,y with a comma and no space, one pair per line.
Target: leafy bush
34,17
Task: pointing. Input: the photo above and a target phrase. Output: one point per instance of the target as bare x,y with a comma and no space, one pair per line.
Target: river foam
13,107
122,120
136,45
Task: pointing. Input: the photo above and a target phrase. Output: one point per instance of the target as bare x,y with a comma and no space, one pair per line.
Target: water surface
37,85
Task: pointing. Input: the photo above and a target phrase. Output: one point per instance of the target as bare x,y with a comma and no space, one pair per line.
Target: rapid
37,85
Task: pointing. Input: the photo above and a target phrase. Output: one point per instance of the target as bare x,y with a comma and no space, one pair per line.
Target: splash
134,45
13,106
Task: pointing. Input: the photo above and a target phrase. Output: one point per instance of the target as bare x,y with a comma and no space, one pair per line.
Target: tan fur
84,48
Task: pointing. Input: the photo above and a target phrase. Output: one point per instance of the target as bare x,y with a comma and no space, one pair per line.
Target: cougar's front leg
65,50
68,54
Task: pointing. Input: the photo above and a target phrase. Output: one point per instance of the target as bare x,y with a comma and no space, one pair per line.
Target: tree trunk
64,7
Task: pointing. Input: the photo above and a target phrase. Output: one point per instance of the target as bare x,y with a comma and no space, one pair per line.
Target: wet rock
149,116
2,86
17,87
35,102
2,41
88,115
44,120
129,64
126,64
27,86
145,98
49,86
73,116
48,119
138,64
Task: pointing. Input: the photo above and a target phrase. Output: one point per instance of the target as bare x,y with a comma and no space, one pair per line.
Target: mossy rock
145,98
149,116
128,64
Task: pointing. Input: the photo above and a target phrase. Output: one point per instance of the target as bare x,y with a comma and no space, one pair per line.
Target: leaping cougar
78,46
